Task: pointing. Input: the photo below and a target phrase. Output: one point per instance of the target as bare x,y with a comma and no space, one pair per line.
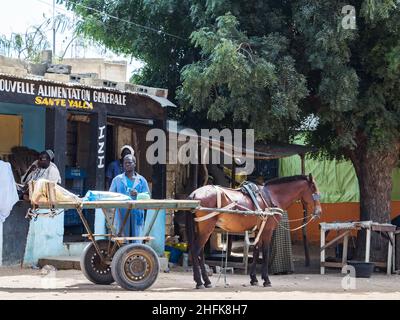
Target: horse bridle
317,205
316,196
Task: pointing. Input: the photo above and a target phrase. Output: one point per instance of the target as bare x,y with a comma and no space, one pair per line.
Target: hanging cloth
8,190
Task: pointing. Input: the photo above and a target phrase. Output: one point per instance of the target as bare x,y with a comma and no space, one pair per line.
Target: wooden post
368,244
390,253
233,176
56,137
304,231
98,143
194,171
246,252
322,261
394,252
345,246
159,176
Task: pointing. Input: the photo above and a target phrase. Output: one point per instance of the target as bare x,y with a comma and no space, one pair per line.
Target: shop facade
85,127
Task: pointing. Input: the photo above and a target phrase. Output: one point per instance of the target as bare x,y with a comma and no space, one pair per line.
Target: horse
278,193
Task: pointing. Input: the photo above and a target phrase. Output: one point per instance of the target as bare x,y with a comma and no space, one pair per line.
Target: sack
93,195
41,190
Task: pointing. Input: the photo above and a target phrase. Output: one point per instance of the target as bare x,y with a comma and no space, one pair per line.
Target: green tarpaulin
336,180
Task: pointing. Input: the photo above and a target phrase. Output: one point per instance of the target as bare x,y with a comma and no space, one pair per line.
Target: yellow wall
10,132
331,212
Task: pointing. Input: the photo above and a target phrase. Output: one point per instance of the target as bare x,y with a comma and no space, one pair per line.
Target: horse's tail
191,230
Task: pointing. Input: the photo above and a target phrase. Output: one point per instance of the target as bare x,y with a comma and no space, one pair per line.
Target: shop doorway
127,131
76,173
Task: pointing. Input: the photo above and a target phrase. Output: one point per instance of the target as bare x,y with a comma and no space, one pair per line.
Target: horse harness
252,190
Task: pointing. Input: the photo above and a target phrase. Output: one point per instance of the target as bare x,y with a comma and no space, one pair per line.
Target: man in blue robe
130,183
116,167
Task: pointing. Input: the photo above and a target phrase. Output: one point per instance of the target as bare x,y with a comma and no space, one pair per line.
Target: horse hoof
200,286
209,285
254,283
267,284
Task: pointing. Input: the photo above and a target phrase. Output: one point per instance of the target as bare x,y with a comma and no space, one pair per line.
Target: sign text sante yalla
58,96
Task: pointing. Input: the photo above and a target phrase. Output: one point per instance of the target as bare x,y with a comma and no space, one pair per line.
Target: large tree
271,65
352,79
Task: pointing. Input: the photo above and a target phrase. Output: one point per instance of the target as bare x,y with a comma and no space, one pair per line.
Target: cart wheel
91,265
135,266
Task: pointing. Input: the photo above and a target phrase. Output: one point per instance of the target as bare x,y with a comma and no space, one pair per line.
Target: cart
133,266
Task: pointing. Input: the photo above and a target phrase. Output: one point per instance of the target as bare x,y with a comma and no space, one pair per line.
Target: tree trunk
374,173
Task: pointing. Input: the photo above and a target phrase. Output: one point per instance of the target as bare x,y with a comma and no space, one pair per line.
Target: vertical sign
100,150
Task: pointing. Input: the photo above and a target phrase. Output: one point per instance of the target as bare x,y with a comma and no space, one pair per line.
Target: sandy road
16,283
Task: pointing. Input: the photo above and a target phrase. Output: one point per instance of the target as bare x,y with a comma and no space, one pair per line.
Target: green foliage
376,10
250,78
264,64
358,73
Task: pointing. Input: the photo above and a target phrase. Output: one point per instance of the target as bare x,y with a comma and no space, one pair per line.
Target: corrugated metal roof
164,102
262,151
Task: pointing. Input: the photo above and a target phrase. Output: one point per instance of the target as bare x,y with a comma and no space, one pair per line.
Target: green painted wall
34,123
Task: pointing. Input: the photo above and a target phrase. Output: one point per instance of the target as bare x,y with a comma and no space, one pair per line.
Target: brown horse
280,193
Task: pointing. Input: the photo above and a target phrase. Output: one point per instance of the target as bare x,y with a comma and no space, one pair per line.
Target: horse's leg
264,269
197,267
253,275
207,282
194,250
266,241
205,231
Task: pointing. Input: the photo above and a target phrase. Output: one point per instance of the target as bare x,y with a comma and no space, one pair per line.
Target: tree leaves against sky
267,65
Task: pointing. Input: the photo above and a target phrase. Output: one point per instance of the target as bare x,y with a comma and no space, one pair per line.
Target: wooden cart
103,261
132,266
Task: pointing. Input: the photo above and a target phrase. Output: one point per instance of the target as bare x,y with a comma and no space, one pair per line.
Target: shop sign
49,95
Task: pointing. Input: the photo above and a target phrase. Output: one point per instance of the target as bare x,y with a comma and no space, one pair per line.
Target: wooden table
345,228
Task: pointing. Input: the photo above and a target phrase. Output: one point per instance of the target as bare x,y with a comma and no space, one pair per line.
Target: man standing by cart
130,183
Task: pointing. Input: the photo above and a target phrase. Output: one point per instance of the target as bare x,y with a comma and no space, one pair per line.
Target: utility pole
54,30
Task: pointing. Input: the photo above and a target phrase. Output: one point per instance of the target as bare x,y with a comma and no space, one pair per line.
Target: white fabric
8,190
129,148
51,173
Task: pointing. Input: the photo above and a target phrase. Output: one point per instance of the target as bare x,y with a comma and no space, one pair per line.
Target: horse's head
311,196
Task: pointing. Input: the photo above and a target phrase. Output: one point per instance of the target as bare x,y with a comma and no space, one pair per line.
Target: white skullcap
129,148
50,153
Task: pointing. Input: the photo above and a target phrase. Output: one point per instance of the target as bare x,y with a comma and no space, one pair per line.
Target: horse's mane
286,179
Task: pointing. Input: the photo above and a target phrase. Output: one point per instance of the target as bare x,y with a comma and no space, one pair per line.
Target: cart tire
92,267
135,266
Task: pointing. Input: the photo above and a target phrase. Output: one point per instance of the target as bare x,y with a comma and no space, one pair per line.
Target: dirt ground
17,283
178,284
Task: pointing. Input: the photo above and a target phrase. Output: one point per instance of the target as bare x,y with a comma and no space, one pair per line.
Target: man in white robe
8,190
42,168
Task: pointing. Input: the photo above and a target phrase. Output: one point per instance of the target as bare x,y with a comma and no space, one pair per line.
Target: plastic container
143,196
363,269
175,254
185,260
167,254
93,195
181,246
